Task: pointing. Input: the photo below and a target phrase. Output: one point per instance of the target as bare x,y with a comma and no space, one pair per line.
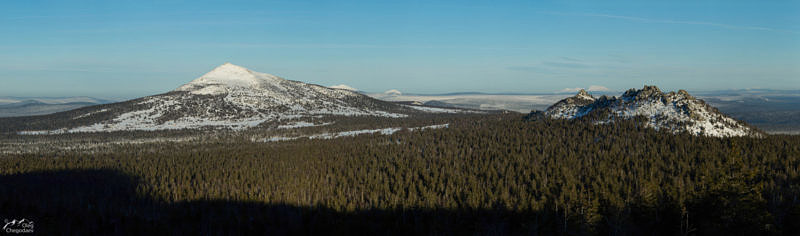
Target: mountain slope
229,96
679,112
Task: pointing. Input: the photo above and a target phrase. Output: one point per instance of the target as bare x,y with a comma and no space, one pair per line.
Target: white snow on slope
343,86
430,127
352,133
699,121
227,76
678,112
301,124
233,97
89,114
385,131
393,92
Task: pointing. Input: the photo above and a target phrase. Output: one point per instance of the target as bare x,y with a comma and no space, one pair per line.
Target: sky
128,49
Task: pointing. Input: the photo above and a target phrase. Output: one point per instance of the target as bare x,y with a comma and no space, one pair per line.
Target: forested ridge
493,174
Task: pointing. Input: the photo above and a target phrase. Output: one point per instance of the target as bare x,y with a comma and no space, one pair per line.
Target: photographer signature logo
18,226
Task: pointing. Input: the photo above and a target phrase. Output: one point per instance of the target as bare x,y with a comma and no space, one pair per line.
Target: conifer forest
496,174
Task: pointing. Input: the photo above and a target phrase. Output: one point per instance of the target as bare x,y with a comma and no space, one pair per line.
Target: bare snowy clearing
352,133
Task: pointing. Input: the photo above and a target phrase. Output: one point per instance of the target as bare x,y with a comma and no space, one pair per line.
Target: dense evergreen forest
492,174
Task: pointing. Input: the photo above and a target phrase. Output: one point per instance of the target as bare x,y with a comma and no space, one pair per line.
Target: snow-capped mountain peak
678,112
343,86
393,92
231,96
227,76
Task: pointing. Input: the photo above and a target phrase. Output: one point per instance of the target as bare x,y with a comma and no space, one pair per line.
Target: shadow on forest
101,201
105,202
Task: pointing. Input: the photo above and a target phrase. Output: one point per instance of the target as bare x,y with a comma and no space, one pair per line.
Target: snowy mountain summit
228,77
679,112
232,97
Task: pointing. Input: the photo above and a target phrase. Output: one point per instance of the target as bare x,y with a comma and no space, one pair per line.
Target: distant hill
774,111
228,97
679,112
30,106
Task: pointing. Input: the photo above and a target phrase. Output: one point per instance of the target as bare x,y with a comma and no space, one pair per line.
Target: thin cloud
598,88
662,21
570,90
592,88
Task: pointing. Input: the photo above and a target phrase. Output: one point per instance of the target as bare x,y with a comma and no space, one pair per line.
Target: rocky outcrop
679,112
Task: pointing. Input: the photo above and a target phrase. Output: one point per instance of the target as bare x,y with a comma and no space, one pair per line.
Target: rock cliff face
679,112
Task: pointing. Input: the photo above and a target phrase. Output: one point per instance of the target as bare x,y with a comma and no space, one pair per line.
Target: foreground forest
493,174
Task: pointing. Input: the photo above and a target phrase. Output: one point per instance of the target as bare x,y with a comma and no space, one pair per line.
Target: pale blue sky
126,49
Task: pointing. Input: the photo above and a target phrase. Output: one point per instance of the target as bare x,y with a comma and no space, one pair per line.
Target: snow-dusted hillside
231,97
344,86
675,111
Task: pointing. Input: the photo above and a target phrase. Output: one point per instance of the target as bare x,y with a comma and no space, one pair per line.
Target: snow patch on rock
679,112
